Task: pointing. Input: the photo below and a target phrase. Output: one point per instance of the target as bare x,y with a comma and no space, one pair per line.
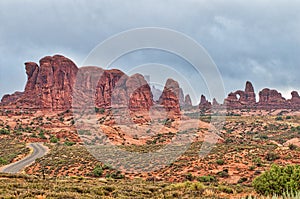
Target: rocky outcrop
241,99
271,99
187,101
295,101
204,103
50,87
170,98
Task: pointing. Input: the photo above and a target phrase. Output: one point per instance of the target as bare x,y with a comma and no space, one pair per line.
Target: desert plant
220,162
4,132
278,180
98,171
272,156
206,179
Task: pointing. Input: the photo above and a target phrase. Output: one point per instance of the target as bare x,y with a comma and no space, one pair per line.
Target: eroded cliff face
50,86
170,98
241,99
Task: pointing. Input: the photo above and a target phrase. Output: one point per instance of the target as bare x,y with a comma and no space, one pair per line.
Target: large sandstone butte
50,86
170,98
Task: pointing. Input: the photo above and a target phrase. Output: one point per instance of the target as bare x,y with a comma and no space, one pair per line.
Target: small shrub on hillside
272,156
292,147
220,162
98,171
68,143
4,132
54,139
189,176
3,161
278,180
225,189
206,179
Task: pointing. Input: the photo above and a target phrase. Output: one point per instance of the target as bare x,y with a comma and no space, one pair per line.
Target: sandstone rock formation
204,103
242,99
187,101
49,86
170,98
271,99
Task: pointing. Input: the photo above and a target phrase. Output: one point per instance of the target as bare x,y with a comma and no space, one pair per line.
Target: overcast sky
248,40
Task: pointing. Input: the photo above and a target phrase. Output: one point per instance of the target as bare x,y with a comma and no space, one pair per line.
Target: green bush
278,180
206,179
4,132
98,171
68,143
54,139
2,161
279,118
220,162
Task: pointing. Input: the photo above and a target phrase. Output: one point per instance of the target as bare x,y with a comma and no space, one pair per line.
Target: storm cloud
257,41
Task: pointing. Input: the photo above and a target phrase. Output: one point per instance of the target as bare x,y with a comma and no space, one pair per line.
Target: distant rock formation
50,86
204,103
170,98
268,99
241,99
156,93
187,101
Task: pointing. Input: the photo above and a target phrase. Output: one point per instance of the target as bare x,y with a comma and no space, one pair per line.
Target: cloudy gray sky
257,41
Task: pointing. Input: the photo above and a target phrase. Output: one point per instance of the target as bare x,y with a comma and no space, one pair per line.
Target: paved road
39,150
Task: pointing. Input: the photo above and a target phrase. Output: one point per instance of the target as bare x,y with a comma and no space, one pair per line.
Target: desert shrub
292,147
54,139
242,180
251,168
69,143
272,156
116,175
4,132
42,135
288,117
223,174
206,179
98,171
189,176
225,189
263,137
2,161
220,162
278,180
279,118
